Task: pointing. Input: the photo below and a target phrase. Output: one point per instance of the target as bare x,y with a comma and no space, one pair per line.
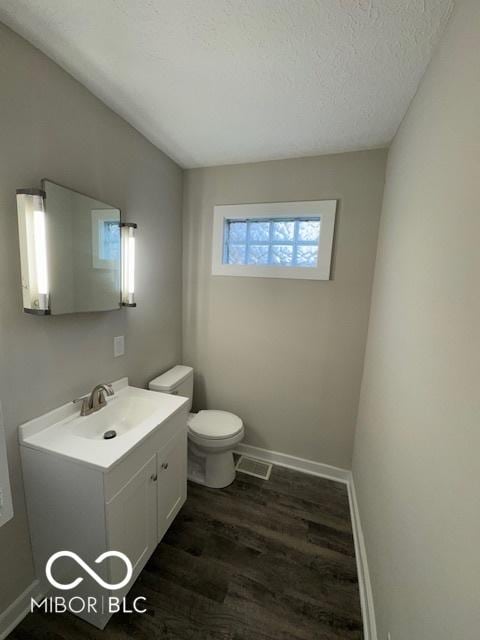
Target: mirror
83,241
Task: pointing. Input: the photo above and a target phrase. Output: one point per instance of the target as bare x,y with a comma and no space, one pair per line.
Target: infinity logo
87,569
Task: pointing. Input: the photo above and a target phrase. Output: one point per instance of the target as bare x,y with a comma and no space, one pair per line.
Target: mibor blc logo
89,604
87,569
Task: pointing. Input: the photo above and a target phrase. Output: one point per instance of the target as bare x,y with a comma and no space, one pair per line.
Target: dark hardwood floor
255,561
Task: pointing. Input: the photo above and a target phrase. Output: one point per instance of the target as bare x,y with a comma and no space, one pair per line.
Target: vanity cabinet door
132,520
172,481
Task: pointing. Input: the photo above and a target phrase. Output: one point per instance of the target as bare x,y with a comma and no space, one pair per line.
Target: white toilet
212,435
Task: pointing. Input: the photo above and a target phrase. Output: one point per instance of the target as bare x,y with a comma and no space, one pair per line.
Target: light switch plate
118,346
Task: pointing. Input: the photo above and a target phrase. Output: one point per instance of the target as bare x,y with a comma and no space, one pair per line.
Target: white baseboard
339,475
17,611
292,462
365,586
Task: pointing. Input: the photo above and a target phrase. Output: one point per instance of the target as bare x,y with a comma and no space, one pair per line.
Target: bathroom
352,385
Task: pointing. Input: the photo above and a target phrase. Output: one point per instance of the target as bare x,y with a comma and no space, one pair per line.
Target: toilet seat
214,425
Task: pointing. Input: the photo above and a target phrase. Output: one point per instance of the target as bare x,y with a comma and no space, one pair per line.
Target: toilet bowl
212,434
212,437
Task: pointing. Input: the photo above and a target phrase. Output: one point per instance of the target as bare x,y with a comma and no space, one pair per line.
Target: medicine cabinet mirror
72,252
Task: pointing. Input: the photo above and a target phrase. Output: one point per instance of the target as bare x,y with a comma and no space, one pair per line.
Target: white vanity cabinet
131,519
88,510
150,499
172,482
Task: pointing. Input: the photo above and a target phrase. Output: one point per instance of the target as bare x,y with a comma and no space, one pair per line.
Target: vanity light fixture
128,263
33,250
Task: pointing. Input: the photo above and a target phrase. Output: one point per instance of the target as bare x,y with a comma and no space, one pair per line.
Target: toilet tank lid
171,378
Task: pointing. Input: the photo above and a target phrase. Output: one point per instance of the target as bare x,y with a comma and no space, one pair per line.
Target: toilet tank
178,381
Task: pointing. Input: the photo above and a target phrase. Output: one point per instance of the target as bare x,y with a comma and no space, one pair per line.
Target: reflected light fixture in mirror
128,264
33,250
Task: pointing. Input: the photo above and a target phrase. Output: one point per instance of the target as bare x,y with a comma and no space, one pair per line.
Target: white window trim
326,209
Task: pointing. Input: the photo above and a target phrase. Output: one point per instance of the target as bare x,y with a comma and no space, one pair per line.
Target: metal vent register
253,467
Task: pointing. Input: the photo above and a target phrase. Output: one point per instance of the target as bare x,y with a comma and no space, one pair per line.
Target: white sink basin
122,414
132,413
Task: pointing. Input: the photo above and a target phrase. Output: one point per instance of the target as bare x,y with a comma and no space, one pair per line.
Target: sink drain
108,435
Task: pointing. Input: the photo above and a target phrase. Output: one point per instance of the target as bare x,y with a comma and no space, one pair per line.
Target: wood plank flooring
255,561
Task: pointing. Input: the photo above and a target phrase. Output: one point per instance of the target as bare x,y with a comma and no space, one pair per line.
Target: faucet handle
84,407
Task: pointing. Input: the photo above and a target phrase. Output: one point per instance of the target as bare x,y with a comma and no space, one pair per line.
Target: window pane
236,254
237,232
257,254
282,254
307,256
259,231
110,242
282,242
283,230
309,230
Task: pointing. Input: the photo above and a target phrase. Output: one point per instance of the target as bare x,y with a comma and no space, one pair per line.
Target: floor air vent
253,467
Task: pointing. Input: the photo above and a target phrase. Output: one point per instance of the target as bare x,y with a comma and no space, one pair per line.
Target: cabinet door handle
153,477
164,465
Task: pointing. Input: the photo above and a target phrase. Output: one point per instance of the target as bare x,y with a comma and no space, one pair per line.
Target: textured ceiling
223,81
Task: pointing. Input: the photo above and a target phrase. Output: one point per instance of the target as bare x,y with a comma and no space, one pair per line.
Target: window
109,240
105,238
274,240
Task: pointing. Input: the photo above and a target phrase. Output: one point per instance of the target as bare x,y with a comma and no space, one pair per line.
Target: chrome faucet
95,400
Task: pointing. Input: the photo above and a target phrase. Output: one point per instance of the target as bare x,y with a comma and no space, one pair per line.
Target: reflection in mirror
83,240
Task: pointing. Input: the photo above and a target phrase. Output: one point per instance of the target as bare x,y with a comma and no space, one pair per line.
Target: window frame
324,209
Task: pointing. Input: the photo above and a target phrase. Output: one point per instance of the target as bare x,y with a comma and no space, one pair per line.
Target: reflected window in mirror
105,238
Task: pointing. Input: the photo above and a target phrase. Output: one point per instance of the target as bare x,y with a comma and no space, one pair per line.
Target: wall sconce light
33,250
128,264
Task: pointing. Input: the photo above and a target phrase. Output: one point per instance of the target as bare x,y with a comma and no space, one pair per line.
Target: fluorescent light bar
131,265
128,263
40,251
33,250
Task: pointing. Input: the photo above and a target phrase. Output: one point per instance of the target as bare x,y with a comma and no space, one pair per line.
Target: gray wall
417,450
285,355
51,126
